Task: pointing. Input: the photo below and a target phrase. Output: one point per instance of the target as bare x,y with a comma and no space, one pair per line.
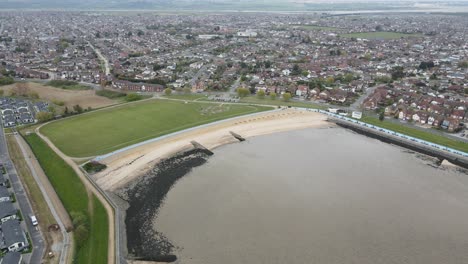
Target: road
235,85
357,104
197,75
23,203
102,58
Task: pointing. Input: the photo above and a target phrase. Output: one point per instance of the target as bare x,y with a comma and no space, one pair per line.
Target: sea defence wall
388,136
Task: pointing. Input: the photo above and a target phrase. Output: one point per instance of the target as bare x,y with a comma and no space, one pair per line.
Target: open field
188,97
438,139
312,27
68,85
91,248
106,130
84,98
280,102
39,205
380,35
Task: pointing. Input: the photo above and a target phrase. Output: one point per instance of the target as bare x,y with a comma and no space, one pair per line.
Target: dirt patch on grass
84,98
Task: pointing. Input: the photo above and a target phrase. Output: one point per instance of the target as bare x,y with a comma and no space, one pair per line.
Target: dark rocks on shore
146,196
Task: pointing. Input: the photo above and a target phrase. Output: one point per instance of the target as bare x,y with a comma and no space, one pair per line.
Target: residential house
13,238
7,211
4,194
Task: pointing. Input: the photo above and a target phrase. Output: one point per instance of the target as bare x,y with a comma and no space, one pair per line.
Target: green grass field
73,194
413,132
312,27
103,131
380,35
279,102
188,97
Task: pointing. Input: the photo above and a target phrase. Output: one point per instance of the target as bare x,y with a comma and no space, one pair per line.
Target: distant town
414,67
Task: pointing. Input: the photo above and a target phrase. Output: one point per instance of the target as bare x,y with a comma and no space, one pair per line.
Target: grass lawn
280,102
312,27
380,35
188,97
74,197
413,132
103,131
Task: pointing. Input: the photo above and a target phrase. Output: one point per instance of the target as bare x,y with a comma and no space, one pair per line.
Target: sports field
107,130
380,35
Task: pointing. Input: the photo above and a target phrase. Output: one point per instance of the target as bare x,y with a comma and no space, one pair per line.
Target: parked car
34,220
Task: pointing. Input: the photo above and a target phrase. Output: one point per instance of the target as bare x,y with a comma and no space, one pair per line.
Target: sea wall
388,138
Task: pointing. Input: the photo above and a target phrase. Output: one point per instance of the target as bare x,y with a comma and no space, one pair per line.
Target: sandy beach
126,166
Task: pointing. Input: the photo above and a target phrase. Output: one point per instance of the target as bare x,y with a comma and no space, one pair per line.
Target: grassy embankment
40,207
91,238
380,35
103,131
413,132
68,85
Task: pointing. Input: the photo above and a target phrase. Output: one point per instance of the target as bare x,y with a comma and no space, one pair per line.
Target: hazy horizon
234,5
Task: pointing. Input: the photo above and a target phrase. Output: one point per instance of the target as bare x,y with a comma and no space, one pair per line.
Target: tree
348,78
286,97
296,70
77,108
261,94
243,92
81,227
52,110
66,111
463,64
397,73
273,96
43,116
132,97
20,89
2,92
381,116
168,91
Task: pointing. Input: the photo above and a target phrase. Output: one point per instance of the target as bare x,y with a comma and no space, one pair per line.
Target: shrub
133,97
94,166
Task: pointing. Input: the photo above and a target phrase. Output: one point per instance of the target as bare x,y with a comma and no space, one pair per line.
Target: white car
34,220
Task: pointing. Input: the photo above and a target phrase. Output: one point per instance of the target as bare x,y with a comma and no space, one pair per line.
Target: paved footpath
22,201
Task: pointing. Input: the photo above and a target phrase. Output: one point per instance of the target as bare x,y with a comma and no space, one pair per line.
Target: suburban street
102,58
23,203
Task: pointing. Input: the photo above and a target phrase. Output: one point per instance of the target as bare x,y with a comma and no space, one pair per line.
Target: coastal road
23,203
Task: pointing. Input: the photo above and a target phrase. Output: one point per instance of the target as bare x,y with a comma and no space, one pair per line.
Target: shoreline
126,166
143,200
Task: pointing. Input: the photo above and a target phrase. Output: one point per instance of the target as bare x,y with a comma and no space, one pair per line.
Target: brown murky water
317,196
